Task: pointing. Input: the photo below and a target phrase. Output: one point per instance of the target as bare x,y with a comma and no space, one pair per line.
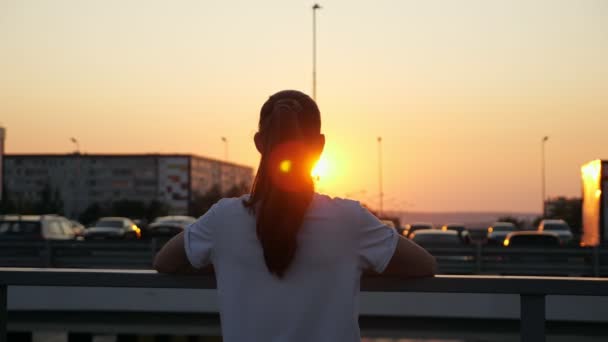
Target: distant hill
471,219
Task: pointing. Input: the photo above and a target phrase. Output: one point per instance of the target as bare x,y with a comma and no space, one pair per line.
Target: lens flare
285,166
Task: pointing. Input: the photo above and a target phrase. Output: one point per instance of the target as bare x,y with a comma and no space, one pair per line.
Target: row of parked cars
549,233
55,227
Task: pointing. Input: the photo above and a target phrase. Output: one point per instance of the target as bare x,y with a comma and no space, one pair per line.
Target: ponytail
283,188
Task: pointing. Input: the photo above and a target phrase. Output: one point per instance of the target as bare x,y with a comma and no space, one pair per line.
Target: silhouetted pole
225,140
2,138
315,7
75,141
542,160
76,193
380,189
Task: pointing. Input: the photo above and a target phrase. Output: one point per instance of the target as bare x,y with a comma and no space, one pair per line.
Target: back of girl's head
289,140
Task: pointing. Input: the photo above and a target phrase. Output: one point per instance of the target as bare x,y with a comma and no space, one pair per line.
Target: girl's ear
319,144
322,139
257,138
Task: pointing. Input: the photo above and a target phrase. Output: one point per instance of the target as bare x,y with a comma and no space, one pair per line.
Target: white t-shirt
317,300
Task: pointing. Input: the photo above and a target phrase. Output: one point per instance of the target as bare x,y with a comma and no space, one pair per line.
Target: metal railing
531,290
557,261
474,259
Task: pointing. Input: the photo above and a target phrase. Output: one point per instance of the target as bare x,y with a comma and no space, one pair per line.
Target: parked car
35,227
543,241
436,238
462,231
531,239
411,228
168,226
113,228
498,231
559,228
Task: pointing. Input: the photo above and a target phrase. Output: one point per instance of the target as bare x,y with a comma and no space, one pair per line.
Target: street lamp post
542,160
315,7
380,188
76,190
225,140
75,142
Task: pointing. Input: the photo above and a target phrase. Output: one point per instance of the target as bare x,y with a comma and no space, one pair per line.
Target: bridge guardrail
532,290
472,259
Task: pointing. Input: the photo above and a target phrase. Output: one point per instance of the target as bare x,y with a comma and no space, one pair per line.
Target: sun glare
319,171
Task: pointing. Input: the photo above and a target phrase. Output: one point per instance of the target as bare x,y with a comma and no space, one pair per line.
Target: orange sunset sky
460,91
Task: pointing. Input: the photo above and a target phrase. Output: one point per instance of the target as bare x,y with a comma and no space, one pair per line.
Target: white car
35,227
559,228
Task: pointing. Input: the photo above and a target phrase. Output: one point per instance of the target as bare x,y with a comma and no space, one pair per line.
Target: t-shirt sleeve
198,239
377,241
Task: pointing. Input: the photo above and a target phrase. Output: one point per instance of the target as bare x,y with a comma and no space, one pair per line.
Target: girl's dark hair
283,188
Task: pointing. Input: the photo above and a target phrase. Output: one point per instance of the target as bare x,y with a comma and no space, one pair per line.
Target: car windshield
556,227
436,239
178,219
109,223
503,228
179,222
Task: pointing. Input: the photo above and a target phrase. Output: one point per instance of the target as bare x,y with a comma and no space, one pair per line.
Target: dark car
559,227
436,241
531,239
462,231
168,226
113,228
543,241
498,231
411,228
436,238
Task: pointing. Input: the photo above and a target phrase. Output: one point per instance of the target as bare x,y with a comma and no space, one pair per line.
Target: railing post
478,258
532,318
3,313
80,337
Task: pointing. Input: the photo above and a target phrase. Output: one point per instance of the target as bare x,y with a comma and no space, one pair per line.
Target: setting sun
320,169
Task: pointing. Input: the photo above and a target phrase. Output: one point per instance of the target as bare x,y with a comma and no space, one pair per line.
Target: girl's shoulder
231,203
336,205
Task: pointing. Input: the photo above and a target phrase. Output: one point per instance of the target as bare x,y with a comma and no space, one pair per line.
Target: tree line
567,209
